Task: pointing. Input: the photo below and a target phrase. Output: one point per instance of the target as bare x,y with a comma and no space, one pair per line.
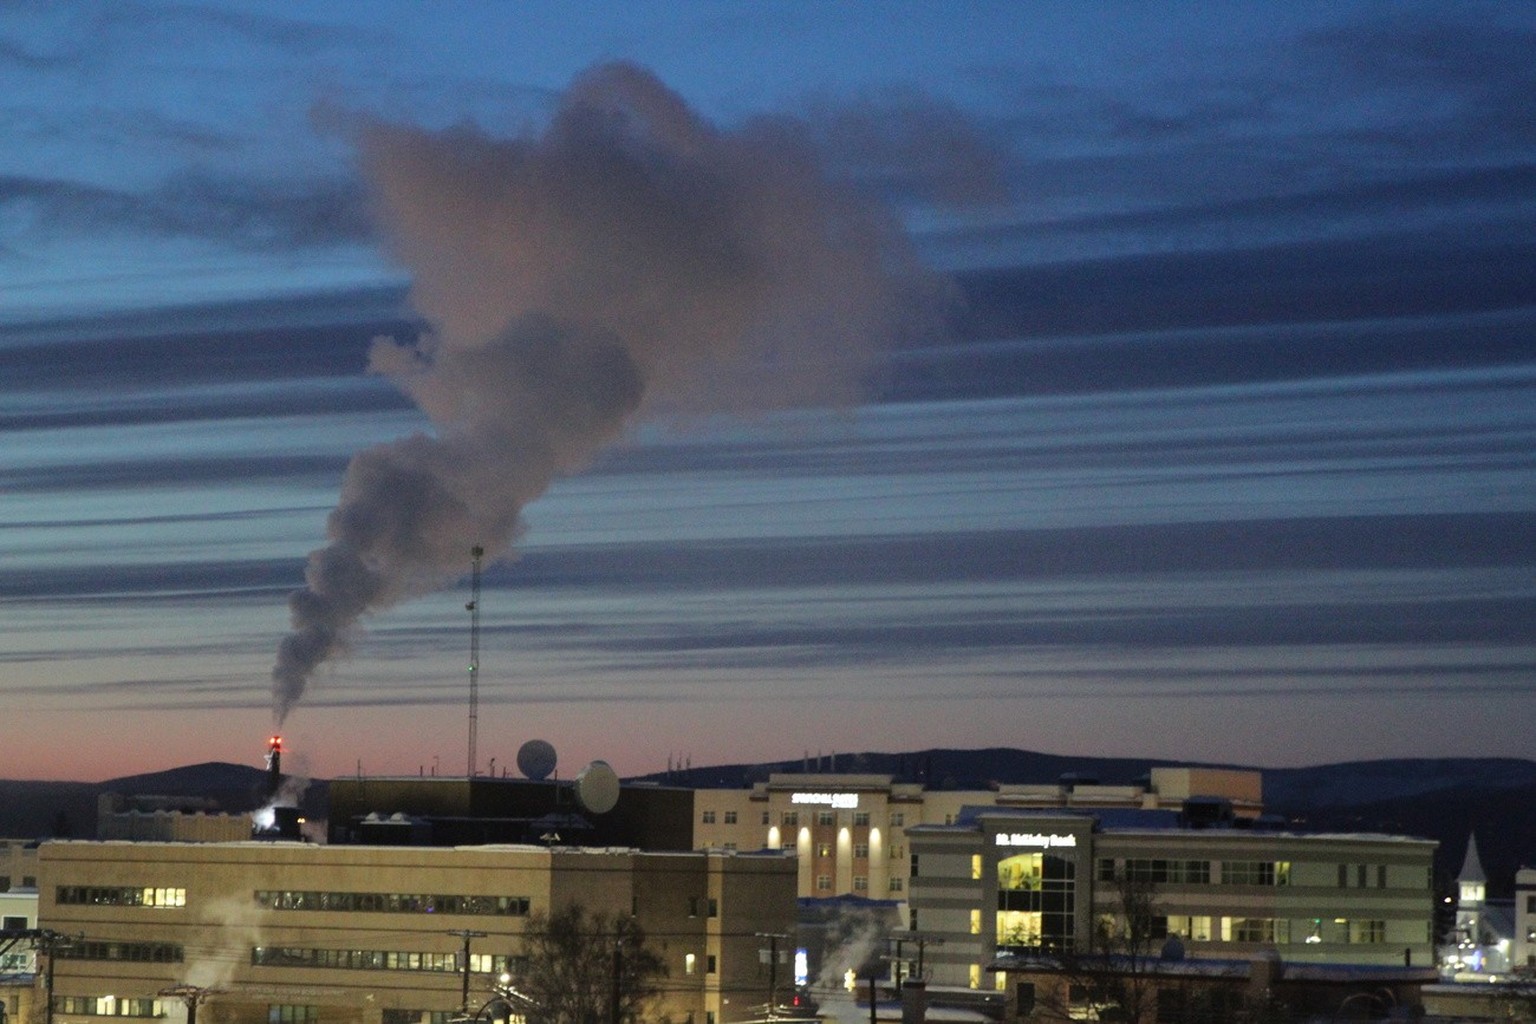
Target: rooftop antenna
473,607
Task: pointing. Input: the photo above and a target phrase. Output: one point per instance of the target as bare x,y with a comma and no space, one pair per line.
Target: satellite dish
536,760
597,788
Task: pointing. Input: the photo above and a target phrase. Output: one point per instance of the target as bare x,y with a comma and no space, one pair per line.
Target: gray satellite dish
536,759
597,788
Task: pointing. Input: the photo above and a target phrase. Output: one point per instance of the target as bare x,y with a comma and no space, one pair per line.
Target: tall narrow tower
473,607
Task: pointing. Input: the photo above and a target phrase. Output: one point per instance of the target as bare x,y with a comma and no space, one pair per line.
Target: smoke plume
626,258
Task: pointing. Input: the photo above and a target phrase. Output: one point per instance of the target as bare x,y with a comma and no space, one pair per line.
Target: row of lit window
120,896
1231,872
791,819
376,960
108,1006
138,952
861,819
1278,930
122,1006
393,902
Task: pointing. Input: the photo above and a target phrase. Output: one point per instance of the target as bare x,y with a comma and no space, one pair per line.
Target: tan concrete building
848,831
293,933
167,819
1523,957
18,864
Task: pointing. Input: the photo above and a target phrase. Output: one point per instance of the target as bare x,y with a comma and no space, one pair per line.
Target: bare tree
1123,973
581,968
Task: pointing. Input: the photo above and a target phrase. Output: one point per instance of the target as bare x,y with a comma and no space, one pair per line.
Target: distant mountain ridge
1438,798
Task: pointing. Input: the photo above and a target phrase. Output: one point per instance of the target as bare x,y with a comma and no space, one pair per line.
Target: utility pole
466,935
773,970
49,943
192,995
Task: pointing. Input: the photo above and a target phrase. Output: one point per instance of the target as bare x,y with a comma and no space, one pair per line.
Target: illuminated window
690,962
975,921
823,849
146,896
1256,929
1192,927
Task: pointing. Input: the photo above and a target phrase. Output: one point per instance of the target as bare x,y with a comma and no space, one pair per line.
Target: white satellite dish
536,760
597,788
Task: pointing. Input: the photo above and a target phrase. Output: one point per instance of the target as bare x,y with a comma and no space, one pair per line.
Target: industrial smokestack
627,258
274,766
279,817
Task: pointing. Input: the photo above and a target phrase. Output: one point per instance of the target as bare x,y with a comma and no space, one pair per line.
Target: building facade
1004,881
1524,956
849,831
294,933
18,864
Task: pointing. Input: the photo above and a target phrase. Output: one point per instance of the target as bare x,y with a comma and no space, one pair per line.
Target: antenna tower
473,607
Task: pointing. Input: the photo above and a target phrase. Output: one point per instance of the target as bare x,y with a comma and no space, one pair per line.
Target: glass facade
1036,902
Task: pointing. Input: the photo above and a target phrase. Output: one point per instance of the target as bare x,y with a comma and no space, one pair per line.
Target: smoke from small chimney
628,258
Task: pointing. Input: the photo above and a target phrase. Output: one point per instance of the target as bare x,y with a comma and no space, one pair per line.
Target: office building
849,831
295,933
1004,881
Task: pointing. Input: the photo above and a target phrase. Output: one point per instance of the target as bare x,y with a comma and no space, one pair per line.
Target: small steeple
1471,864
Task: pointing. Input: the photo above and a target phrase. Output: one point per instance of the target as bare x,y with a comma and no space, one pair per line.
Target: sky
1110,379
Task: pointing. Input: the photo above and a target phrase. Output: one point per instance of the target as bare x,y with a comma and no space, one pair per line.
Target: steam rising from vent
627,258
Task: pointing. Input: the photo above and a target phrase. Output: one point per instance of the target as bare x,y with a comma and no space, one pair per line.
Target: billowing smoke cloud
627,258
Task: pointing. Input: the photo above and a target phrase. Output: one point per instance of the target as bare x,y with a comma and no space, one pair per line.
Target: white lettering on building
828,799
1039,840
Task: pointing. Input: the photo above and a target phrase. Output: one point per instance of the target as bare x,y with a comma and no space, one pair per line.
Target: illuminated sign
826,799
1037,840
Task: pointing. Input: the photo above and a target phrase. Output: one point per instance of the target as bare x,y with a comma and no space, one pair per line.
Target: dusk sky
1117,379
